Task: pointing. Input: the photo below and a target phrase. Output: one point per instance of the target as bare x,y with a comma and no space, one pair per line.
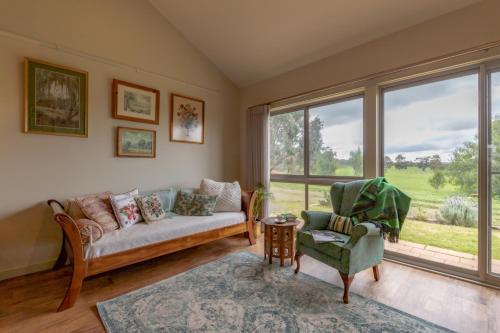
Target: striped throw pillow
340,224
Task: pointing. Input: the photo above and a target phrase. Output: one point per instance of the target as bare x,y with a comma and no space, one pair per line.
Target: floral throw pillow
183,203
126,209
193,204
151,208
202,205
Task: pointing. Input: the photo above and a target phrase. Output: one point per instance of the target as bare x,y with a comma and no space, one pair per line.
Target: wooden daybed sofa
141,242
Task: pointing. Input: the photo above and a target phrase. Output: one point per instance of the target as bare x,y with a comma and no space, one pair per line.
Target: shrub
458,211
420,214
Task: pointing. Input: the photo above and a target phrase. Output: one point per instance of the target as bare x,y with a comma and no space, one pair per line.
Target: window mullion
306,155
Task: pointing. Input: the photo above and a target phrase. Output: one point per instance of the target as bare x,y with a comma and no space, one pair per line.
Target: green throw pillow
340,224
193,204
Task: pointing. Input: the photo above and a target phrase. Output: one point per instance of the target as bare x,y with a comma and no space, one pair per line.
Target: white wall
462,29
34,168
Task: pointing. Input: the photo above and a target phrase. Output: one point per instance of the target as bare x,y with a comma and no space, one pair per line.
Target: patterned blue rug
242,293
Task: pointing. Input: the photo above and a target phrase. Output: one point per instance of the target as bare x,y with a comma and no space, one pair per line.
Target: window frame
306,178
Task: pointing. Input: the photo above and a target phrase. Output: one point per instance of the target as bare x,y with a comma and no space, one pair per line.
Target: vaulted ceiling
257,39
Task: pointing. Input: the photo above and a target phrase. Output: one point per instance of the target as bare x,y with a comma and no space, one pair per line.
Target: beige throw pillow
228,194
98,208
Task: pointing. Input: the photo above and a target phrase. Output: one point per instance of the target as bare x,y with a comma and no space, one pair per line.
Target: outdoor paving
450,257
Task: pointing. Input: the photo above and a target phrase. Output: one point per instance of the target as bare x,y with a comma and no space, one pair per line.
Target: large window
309,148
494,227
431,153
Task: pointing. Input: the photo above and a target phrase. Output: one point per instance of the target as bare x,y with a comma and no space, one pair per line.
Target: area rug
242,293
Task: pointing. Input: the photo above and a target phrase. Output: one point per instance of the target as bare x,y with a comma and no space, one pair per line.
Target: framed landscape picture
135,142
187,119
136,103
55,99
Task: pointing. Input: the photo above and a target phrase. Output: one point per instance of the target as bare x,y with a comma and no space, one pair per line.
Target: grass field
289,197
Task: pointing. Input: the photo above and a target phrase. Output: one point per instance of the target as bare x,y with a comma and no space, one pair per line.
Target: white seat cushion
141,234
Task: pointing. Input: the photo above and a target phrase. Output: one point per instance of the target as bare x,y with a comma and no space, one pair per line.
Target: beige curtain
258,148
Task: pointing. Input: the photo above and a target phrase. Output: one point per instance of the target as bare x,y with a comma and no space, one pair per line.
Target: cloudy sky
431,118
343,127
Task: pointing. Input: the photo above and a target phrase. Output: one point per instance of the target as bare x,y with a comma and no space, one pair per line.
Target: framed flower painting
187,119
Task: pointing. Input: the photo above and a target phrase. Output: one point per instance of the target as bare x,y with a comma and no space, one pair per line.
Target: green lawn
289,197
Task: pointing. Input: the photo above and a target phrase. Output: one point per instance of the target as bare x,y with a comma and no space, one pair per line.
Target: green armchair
363,249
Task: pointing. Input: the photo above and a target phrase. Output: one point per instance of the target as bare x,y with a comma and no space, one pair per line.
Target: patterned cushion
340,224
125,207
74,210
183,202
98,208
228,194
193,204
151,208
90,231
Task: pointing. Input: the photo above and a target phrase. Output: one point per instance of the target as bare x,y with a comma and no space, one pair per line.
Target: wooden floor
28,304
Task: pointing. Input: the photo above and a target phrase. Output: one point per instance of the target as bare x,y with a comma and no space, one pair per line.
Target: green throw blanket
383,204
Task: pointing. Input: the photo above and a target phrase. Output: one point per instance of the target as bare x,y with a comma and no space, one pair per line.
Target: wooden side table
279,240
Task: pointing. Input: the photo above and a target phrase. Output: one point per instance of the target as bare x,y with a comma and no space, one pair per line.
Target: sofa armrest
315,220
248,199
69,227
364,229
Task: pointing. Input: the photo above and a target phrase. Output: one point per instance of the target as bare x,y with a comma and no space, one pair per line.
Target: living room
255,129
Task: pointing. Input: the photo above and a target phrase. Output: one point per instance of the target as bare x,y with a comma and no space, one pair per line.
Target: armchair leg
297,259
347,280
376,274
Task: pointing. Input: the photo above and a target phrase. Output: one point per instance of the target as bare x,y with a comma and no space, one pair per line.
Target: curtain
258,148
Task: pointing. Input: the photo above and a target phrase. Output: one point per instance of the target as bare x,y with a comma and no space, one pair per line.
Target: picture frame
135,102
55,99
187,119
135,142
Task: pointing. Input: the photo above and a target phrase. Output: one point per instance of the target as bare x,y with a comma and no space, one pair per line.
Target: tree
287,143
400,162
435,162
423,162
462,170
438,179
357,161
388,162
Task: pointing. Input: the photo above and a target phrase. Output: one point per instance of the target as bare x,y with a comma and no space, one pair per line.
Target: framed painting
135,103
55,99
187,119
135,142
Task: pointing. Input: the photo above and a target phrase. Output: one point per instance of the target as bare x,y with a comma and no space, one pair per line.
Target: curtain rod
480,48
96,58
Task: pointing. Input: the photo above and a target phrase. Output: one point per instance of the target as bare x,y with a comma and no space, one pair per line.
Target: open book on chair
325,236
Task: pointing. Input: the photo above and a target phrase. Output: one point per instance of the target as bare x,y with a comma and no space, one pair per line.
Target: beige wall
34,168
458,30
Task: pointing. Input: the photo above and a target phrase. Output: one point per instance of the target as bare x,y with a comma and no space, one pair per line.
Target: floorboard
29,303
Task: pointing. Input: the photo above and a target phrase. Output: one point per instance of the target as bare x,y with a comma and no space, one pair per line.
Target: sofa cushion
167,198
125,207
141,234
90,231
228,194
98,208
151,208
333,249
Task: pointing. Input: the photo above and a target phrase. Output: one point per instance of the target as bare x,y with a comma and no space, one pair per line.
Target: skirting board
11,273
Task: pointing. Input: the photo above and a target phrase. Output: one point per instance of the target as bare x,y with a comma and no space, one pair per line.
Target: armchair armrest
315,220
364,229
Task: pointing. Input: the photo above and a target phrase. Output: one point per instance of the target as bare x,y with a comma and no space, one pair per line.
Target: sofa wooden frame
72,247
